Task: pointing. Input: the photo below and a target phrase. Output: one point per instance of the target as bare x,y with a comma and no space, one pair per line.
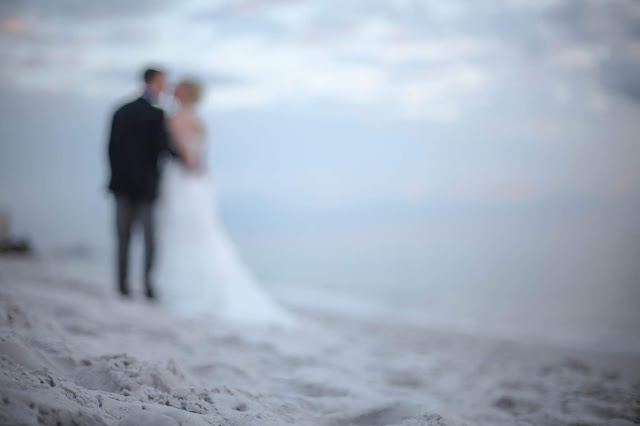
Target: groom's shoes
148,291
124,291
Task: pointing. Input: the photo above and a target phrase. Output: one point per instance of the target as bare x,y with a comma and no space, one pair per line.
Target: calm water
564,266
568,274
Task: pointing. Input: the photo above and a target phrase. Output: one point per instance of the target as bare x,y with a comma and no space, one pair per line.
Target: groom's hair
150,73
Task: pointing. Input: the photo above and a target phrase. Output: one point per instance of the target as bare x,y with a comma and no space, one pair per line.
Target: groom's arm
113,137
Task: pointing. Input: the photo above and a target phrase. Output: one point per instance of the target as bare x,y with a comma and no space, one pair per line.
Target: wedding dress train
199,271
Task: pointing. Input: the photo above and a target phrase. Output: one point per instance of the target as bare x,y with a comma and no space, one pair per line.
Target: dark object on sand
8,246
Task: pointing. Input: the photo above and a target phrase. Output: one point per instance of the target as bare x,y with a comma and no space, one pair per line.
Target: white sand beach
72,352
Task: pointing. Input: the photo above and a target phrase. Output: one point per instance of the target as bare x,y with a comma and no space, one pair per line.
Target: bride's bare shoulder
183,121
184,126
186,118
194,124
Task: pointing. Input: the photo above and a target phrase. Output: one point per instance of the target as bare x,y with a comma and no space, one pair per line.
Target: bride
199,272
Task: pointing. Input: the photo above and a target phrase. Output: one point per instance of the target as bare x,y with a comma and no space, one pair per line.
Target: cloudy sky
340,127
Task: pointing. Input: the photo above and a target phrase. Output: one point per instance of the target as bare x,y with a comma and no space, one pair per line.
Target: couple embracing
195,270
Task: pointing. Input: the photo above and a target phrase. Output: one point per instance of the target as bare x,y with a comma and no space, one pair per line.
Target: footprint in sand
317,390
404,379
396,415
516,406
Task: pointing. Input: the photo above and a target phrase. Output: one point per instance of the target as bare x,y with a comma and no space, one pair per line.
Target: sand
72,352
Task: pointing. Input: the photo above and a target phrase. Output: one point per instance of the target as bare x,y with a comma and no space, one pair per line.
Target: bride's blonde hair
192,89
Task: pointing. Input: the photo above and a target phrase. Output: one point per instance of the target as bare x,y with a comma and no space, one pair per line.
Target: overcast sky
461,99
331,113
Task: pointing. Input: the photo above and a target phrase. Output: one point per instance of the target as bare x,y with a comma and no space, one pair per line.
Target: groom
138,138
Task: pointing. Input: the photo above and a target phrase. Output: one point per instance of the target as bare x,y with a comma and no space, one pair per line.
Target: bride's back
188,135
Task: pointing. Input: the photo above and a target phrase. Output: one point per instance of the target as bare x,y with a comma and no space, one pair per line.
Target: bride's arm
195,128
177,129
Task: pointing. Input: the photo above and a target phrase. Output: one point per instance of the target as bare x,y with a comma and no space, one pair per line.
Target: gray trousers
128,214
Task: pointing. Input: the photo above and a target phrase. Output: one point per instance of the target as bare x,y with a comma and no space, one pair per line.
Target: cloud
433,61
621,75
440,94
93,48
600,37
74,10
12,26
591,21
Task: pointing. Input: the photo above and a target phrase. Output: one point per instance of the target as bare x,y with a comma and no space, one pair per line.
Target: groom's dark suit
138,139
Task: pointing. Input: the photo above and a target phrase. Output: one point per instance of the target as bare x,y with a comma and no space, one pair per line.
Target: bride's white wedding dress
198,271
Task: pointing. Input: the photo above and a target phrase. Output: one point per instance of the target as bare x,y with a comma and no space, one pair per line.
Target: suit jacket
138,139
